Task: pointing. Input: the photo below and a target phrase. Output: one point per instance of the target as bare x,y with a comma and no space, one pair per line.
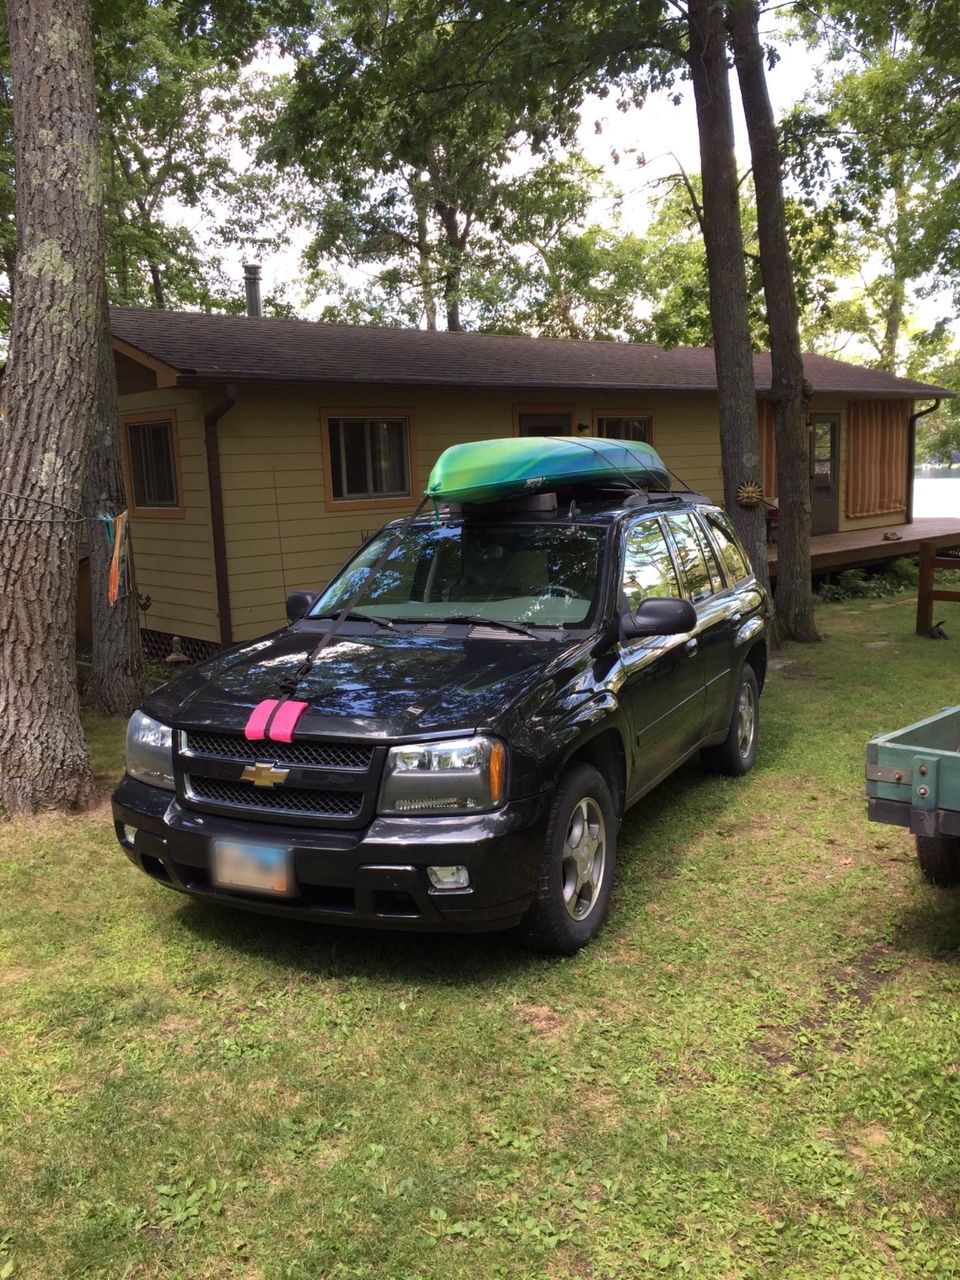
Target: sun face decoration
749,494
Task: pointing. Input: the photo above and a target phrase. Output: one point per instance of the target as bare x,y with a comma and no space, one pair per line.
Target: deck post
926,591
925,588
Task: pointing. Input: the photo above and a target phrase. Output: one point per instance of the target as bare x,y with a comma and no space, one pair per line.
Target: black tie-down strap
290,682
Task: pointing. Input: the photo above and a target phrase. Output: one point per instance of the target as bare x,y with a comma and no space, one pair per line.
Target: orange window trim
152,513
368,504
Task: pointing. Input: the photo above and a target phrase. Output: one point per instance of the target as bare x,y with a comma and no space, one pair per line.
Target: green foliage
412,124
176,108
856,584
877,146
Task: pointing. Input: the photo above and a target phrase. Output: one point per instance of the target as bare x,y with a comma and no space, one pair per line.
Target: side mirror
299,603
659,616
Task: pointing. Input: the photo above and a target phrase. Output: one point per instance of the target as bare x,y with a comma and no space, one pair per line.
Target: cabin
260,452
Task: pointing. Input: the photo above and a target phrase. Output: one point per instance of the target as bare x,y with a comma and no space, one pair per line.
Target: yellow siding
280,535
174,555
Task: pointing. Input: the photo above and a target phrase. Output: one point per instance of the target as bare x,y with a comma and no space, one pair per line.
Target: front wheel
576,875
939,858
736,754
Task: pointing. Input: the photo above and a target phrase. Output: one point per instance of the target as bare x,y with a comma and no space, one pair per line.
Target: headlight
464,775
150,751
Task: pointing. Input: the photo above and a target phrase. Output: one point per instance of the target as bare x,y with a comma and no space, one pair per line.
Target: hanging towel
117,581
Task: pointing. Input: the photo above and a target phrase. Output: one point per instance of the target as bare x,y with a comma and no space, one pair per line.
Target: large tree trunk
789,390
51,395
116,682
723,237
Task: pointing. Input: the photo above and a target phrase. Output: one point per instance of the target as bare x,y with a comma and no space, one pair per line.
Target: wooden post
925,589
926,592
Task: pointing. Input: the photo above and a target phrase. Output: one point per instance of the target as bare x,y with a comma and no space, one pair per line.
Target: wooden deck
867,546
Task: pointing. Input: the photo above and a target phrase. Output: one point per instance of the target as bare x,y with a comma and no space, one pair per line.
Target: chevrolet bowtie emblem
264,775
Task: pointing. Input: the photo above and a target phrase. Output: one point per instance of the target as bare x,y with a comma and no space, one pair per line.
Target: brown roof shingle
203,348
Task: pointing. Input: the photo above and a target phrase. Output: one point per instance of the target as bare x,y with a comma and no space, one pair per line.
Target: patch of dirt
13,976
878,644
859,980
539,1018
865,976
868,1143
799,671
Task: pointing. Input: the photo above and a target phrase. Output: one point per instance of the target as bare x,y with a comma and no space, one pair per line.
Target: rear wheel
576,876
939,858
736,754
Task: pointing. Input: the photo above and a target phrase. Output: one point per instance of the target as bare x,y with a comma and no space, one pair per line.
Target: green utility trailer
913,780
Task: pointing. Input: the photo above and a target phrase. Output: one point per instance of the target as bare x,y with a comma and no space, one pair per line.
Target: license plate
258,868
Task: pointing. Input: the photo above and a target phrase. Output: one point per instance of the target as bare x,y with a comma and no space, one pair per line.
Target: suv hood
379,686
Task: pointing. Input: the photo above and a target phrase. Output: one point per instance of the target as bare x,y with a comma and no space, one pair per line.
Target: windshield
533,574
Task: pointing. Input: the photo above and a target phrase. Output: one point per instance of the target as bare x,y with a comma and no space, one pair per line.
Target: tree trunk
424,256
456,243
723,237
896,299
117,677
789,389
51,396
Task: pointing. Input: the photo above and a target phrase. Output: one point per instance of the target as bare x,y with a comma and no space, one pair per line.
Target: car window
713,565
734,560
692,563
537,574
647,566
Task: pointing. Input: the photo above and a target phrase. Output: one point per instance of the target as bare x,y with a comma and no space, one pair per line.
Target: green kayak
492,470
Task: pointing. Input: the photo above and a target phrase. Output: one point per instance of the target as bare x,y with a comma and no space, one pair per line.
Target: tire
736,754
573,894
939,858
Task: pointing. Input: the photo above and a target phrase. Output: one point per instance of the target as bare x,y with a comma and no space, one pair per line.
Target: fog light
449,877
129,835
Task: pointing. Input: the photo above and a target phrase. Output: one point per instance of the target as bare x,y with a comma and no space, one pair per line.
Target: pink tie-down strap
285,721
256,727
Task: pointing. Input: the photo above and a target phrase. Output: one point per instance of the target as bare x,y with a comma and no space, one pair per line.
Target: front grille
244,795
323,755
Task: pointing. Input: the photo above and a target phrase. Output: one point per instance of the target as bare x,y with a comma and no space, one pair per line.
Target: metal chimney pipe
251,282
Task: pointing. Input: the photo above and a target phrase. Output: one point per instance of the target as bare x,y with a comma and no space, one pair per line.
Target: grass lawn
754,1071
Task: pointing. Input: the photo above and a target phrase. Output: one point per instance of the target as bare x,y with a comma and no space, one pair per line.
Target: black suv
509,681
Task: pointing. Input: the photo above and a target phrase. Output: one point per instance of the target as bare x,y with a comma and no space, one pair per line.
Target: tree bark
117,678
895,301
456,243
723,238
789,389
51,395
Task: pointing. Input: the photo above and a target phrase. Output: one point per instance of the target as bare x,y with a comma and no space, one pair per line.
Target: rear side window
693,564
731,553
647,566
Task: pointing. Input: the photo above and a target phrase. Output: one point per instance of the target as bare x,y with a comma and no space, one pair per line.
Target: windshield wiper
356,615
478,620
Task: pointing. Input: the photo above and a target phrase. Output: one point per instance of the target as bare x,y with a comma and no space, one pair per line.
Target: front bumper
375,878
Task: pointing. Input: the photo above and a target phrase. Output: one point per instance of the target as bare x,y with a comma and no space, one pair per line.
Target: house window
369,458
612,427
152,459
549,422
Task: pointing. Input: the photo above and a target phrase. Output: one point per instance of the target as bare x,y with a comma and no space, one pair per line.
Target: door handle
691,646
